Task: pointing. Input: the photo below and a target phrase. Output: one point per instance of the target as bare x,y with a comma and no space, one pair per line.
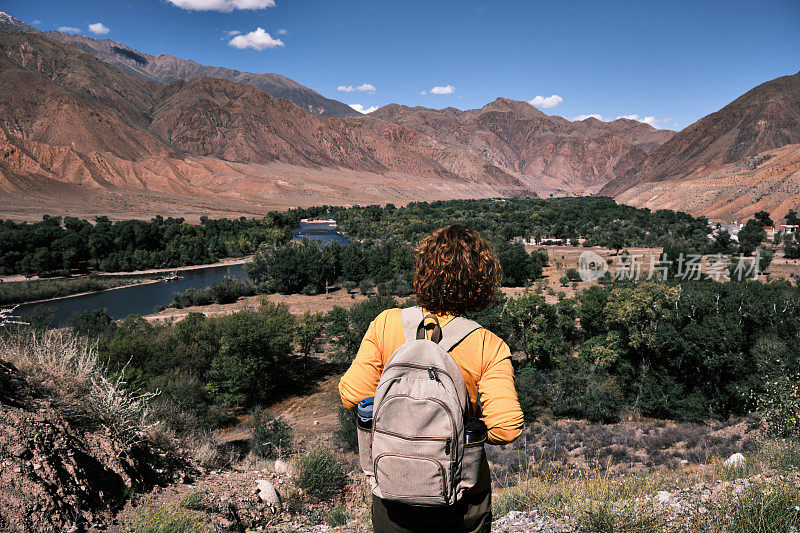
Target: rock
282,467
267,493
735,460
663,496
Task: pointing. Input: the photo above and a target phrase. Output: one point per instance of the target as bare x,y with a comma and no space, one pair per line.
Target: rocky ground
699,507
56,475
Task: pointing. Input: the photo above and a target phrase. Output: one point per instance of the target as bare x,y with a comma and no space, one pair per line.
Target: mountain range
91,126
729,164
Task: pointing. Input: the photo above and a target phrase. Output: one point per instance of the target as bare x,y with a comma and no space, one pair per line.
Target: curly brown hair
455,271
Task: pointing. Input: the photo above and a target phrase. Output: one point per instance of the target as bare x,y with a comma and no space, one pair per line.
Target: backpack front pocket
416,470
412,479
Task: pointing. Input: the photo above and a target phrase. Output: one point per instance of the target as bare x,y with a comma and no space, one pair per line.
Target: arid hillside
763,119
91,139
769,181
550,154
166,69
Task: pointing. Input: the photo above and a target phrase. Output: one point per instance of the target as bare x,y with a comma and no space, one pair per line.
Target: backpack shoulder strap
412,318
456,331
453,332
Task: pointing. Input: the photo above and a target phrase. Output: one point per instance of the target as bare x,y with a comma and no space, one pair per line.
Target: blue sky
673,61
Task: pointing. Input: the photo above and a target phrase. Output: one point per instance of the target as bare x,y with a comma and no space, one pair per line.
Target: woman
456,271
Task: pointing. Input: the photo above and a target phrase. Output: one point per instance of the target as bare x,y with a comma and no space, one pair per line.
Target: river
143,299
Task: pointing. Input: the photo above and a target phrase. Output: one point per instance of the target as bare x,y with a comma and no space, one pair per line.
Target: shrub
779,406
349,286
227,291
89,323
272,436
68,370
337,517
309,332
319,473
532,390
254,360
365,286
150,517
573,275
346,327
585,391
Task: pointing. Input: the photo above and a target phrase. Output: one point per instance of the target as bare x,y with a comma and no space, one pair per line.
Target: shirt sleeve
361,379
501,411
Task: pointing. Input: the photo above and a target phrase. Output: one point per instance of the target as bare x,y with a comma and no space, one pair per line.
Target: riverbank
49,290
222,262
18,290
15,278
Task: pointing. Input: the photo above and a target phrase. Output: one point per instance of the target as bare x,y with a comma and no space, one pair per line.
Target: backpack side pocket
365,449
472,465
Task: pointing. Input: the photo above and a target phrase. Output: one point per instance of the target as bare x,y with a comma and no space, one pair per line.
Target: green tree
591,304
763,218
751,236
310,329
536,328
254,357
791,246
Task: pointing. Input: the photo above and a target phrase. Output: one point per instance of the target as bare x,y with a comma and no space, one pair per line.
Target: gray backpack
419,455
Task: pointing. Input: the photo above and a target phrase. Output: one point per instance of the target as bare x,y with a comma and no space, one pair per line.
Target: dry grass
65,370
631,447
760,495
598,502
174,517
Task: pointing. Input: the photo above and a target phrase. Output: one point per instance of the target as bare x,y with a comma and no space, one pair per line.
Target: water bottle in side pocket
364,430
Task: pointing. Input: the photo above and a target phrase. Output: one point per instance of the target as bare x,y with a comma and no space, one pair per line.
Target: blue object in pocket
365,411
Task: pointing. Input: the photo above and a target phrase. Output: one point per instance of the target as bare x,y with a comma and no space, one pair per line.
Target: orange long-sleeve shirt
483,358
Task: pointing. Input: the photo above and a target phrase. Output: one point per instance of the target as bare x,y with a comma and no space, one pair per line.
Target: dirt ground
298,304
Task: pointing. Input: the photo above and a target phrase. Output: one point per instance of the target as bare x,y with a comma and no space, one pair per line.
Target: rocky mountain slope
769,181
166,69
764,118
90,125
551,154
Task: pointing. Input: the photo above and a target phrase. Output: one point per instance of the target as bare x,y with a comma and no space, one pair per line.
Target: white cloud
36,21
363,88
258,40
282,32
360,108
447,89
69,29
546,102
231,33
99,28
652,121
225,6
593,115
423,93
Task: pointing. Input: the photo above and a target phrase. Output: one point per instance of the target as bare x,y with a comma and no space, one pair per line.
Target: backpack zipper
435,371
449,449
